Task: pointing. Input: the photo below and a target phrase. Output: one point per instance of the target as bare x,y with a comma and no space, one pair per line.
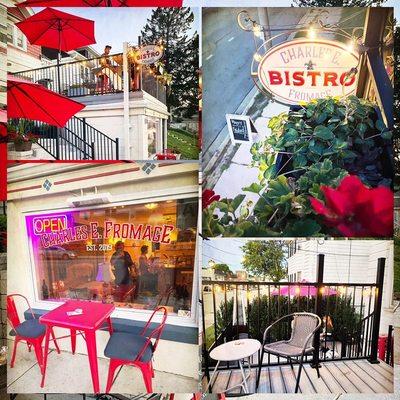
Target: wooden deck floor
336,377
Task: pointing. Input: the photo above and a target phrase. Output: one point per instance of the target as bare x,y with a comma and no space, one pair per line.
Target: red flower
209,197
355,210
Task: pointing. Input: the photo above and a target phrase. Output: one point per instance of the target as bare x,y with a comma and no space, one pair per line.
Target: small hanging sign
148,54
241,128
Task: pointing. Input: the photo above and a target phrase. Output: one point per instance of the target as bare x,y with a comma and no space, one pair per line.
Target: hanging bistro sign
148,54
304,69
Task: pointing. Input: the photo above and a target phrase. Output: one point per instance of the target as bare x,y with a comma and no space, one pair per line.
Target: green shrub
264,311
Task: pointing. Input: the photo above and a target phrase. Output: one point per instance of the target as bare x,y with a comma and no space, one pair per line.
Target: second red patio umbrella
33,101
58,30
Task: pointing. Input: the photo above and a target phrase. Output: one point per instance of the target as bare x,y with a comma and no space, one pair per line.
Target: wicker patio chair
304,327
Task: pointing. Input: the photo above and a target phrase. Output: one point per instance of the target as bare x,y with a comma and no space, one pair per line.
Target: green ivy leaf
362,128
222,206
237,201
379,124
323,132
321,118
303,228
386,135
299,160
253,188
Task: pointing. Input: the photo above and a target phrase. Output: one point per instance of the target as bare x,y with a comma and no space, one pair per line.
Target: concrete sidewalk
68,373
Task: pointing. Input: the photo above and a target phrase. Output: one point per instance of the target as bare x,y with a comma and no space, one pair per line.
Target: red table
93,317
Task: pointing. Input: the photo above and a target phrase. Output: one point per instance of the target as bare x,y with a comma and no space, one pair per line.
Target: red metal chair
137,350
31,330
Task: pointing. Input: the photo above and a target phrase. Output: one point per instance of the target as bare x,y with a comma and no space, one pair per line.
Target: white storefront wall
108,117
127,186
347,261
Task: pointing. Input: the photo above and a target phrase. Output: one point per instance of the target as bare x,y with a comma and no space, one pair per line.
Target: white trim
139,315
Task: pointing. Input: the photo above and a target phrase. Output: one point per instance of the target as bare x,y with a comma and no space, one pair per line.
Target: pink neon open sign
49,224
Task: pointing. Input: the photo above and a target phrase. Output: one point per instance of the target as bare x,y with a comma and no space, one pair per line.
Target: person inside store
147,278
125,272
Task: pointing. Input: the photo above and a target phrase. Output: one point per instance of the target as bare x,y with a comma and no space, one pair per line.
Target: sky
218,251
114,26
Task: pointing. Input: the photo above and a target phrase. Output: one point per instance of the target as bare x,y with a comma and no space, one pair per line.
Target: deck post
380,275
206,361
318,307
389,349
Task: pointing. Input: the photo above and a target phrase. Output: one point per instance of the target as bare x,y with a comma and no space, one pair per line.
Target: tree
338,3
181,55
264,258
224,268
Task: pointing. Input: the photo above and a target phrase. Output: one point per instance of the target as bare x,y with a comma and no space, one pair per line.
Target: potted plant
327,144
349,132
20,133
177,153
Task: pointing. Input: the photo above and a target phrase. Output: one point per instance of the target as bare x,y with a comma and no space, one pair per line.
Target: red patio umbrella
300,290
101,3
35,102
58,30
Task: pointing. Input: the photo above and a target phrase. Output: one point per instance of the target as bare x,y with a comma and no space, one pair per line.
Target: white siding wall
348,261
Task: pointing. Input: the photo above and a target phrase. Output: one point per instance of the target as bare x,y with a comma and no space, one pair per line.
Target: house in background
21,54
346,261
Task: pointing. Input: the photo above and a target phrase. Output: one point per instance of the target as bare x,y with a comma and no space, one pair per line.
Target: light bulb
311,33
257,30
257,57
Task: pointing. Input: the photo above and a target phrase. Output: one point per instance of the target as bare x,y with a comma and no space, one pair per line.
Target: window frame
124,313
15,32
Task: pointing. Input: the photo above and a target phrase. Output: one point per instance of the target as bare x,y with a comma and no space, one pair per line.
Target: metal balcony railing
91,77
78,140
350,313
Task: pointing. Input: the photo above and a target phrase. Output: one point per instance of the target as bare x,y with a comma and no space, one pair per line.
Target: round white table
236,350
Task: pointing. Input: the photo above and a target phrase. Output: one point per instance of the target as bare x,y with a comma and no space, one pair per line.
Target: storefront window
135,256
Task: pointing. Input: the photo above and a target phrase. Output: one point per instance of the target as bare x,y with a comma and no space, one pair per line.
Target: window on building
16,37
292,248
3,26
154,133
135,256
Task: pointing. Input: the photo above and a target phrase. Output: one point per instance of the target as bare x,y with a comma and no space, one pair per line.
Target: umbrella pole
58,57
58,73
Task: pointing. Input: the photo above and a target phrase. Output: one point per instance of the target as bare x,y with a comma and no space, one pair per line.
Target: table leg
211,378
92,354
246,388
45,354
110,328
73,340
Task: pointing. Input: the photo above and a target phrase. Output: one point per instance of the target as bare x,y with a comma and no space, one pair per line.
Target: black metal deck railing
79,78
78,140
90,77
350,313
